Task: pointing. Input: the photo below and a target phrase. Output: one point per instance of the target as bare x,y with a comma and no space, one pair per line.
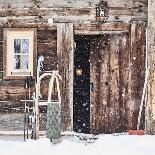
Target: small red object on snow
136,132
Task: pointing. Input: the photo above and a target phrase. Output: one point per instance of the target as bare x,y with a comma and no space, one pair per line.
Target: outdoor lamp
101,11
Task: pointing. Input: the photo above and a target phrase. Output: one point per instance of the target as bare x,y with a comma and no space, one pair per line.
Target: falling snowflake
123,95
134,58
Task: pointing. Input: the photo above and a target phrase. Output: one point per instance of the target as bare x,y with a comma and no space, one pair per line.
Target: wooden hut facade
99,49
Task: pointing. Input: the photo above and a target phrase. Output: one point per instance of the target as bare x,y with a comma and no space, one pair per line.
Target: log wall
118,62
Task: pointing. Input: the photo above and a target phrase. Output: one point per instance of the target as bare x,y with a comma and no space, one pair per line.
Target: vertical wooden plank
93,80
142,45
130,104
114,83
70,42
124,54
137,62
65,59
103,84
150,120
99,77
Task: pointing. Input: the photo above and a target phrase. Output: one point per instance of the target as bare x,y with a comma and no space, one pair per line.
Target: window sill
17,77
21,74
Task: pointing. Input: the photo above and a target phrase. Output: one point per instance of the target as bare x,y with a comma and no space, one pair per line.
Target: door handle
92,86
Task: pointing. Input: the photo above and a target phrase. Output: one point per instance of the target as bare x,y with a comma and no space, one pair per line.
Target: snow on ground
105,145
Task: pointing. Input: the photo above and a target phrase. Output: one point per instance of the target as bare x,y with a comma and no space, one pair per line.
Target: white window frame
17,33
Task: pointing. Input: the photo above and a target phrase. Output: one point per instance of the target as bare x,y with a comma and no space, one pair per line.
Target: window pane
25,46
17,45
17,62
25,62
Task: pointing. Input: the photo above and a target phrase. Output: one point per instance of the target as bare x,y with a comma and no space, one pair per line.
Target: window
19,53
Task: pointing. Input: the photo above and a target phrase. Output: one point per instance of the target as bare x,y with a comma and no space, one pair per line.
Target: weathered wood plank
65,65
74,14
109,26
150,115
46,49
10,93
99,77
103,85
93,56
124,57
46,36
39,16
34,22
50,63
137,62
71,3
94,50
114,84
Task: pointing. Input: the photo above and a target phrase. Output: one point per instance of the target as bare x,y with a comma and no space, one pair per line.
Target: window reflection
25,46
17,62
24,62
17,45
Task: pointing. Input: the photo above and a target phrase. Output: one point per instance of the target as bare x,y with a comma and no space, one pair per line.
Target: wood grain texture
110,61
114,75
69,3
99,76
150,115
65,65
36,13
137,62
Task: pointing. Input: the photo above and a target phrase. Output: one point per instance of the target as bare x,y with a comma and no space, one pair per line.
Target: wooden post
150,109
136,74
65,54
37,113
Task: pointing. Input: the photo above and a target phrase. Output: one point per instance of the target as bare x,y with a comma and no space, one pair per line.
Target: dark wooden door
113,65
109,75
81,109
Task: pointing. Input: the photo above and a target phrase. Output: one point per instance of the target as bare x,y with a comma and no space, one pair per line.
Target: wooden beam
80,32
65,66
108,26
150,111
70,4
137,59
